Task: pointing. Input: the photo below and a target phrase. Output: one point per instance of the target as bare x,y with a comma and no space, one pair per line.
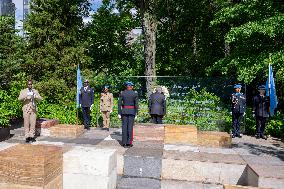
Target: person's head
261,89
30,84
237,88
129,85
159,89
86,83
106,89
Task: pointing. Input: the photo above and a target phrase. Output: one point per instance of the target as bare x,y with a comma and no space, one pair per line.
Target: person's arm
37,95
111,101
136,103
165,106
92,96
23,95
119,104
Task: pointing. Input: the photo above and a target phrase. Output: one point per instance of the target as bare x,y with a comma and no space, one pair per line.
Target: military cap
261,87
106,86
237,86
86,81
128,83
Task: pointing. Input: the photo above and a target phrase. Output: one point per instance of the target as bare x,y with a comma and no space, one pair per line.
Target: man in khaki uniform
29,96
106,104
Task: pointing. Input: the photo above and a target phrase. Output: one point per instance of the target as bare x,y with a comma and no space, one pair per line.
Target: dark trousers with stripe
236,123
86,116
127,128
260,125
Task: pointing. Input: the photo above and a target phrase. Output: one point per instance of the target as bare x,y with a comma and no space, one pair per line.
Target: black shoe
124,145
263,137
28,140
257,137
87,128
239,136
233,136
33,139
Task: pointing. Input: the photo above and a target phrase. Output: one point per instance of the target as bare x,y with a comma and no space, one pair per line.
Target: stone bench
64,130
26,166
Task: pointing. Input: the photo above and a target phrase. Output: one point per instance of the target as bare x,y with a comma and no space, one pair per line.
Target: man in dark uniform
157,106
86,100
238,110
127,111
261,111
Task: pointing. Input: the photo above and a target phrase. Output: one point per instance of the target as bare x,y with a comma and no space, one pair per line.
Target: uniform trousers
106,119
86,116
236,123
29,123
260,125
127,128
157,119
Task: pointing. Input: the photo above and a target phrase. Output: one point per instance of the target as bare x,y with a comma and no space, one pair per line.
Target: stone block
31,165
267,176
180,134
214,139
46,123
149,132
226,186
56,183
139,183
143,162
85,181
175,184
63,130
89,167
231,172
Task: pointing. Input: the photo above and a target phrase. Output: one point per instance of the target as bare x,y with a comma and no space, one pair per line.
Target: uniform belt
128,107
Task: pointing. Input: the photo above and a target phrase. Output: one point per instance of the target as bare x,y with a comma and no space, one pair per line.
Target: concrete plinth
143,162
203,167
90,167
43,126
149,132
214,139
180,134
63,130
31,166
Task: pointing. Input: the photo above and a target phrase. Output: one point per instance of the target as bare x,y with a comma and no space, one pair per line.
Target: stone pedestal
43,126
143,162
31,166
149,132
63,130
88,168
214,139
180,134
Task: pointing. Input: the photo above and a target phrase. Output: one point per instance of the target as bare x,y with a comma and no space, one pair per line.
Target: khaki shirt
106,102
29,102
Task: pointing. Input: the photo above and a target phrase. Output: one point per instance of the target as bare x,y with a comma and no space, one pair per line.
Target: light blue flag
271,90
79,86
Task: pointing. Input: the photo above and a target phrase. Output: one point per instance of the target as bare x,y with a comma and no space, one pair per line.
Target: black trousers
86,116
260,125
157,119
236,119
127,128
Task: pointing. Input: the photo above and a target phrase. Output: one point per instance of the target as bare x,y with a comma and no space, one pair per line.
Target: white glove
91,107
80,105
244,113
119,116
135,117
110,111
253,115
30,93
231,113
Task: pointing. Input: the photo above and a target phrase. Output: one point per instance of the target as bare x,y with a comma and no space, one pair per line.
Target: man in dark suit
261,111
127,111
157,106
238,110
86,100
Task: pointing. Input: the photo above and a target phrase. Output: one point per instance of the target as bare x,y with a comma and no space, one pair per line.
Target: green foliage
275,126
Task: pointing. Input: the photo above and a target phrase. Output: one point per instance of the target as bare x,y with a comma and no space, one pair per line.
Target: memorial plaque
180,134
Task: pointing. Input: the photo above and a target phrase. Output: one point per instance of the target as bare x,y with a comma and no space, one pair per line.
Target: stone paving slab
139,183
175,184
195,148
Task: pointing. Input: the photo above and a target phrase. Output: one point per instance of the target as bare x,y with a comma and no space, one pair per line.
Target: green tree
56,43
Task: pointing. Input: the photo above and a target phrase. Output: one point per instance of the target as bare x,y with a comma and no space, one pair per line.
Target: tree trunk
149,27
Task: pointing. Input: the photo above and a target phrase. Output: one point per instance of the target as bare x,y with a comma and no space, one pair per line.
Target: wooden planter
4,133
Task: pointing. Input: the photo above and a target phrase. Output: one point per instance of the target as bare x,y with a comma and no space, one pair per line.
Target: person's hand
91,108
231,113
80,105
253,114
110,111
244,113
135,117
119,116
30,93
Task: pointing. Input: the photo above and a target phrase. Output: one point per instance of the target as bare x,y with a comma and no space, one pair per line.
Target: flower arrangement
165,91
